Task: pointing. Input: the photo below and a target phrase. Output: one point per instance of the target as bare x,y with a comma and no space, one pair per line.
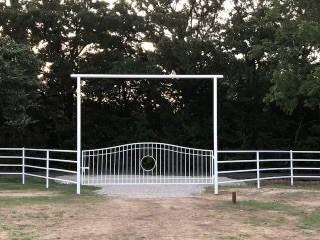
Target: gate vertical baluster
189,160
258,169
118,154
160,162
127,164
23,164
93,159
114,159
206,167
139,167
83,164
135,163
47,169
177,163
89,165
213,170
172,163
130,164
151,150
185,165
193,165
156,162
102,166
106,165
164,162
198,165
123,165
97,173
167,152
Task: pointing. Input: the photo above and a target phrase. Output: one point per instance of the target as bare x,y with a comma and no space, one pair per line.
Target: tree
18,90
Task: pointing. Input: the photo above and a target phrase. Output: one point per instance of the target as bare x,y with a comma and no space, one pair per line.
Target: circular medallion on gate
148,163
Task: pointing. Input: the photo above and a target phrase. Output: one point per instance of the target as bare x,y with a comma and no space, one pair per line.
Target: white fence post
291,167
23,165
47,169
258,169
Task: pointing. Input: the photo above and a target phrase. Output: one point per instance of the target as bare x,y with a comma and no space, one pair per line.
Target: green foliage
268,51
18,84
295,54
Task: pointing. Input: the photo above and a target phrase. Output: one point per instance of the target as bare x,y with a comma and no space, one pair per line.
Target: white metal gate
147,163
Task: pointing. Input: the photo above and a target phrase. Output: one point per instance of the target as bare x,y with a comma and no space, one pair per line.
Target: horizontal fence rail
48,164
11,161
159,163
254,165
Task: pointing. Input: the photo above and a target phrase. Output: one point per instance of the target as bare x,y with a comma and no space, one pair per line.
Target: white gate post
291,167
47,169
23,164
78,132
215,135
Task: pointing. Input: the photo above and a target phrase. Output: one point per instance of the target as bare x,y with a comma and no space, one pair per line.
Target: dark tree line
268,51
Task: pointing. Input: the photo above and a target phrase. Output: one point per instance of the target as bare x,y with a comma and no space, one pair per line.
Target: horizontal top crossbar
170,76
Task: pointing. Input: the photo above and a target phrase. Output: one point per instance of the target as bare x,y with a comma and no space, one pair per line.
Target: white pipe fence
287,164
239,165
46,164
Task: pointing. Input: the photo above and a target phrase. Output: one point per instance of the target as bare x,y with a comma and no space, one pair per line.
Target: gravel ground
153,190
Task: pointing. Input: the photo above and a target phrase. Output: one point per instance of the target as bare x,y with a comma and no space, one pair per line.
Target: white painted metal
215,134
32,165
291,168
23,165
214,168
47,168
258,169
169,164
275,171
51,150
145,76
78,133
174,165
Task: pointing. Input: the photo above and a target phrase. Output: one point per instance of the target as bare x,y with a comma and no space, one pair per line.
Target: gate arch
122,164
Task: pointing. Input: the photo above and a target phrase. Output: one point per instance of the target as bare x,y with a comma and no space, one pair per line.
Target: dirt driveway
271,213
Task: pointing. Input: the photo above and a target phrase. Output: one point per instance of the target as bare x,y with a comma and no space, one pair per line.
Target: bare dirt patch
3,235
202,217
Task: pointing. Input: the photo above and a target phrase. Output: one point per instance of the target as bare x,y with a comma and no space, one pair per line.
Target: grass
306,185
253,205
62,192
263,213
282,211
280,184
57,194
20,232
311,221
